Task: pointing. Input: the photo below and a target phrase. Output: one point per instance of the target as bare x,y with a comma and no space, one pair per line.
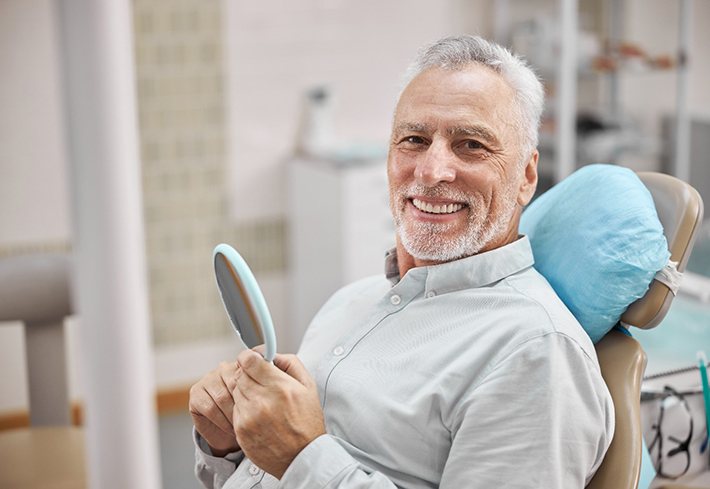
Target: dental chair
622,360
34,289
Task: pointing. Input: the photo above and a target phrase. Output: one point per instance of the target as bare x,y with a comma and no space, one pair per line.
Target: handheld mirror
243,300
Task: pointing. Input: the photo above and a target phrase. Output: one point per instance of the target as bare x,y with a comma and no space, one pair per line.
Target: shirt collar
470,272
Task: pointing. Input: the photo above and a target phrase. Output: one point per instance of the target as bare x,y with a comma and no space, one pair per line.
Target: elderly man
458,368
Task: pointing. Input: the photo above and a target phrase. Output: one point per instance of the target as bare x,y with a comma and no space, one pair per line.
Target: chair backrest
622,360
680,210
35,290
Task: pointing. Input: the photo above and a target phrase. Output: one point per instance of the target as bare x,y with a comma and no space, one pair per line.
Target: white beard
429,240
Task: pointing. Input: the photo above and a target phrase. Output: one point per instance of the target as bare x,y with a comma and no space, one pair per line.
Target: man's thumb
293,366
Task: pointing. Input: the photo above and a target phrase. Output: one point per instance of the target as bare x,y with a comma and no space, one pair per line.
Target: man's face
457,177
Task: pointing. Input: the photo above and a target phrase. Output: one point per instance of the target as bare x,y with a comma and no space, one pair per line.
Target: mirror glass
243,300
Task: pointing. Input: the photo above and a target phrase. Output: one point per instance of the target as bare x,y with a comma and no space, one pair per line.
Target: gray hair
455,53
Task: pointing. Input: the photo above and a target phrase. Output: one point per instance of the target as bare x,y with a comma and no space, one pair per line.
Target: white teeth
436,209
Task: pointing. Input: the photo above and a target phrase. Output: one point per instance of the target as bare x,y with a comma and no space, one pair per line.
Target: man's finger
221,396
293,366
240,400
224,427
229,377
254,366
240,403
246,386
204,407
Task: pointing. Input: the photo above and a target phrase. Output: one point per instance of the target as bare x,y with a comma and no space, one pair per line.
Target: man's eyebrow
474,131
410,127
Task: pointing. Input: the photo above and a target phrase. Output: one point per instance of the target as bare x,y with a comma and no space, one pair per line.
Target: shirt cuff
216,465
320,463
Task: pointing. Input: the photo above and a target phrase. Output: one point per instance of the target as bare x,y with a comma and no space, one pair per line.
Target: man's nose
436,165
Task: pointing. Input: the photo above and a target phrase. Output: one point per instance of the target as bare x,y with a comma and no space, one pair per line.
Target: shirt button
430,294
338,350
254,470
395,299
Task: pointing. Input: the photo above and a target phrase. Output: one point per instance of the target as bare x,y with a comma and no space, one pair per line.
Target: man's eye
472,144
415,140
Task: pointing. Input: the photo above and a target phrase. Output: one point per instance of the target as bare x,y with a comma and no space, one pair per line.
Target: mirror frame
257,302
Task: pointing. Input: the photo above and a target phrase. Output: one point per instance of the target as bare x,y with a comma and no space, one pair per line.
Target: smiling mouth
436,208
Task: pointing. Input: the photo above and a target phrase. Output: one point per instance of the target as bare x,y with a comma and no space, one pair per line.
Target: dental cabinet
339,229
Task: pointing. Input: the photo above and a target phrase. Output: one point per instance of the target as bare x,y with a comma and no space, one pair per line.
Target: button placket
345,344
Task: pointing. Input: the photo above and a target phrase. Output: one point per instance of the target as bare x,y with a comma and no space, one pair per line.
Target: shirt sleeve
213,471
542,418
325,464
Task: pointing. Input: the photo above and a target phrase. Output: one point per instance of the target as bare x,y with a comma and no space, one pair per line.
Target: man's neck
406,262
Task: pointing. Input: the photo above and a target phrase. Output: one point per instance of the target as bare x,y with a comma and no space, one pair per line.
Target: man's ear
528,183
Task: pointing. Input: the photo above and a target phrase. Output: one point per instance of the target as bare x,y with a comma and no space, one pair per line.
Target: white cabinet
339,229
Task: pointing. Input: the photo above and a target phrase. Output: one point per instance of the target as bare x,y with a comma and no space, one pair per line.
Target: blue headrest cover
597,239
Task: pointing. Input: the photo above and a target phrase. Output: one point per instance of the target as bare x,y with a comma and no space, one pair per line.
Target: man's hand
211,406
277,410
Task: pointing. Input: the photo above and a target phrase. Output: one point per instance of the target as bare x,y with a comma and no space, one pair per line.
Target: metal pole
615,19
116,358
682,135
567,91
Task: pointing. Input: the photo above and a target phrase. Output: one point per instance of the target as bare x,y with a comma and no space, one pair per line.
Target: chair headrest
597,237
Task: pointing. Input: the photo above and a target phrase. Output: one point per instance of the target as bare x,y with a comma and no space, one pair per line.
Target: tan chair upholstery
35,290
42,458
622,361
680,210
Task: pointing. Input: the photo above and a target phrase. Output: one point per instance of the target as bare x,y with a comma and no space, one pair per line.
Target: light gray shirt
467,374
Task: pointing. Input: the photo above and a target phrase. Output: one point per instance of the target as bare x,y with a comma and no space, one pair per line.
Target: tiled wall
181,104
